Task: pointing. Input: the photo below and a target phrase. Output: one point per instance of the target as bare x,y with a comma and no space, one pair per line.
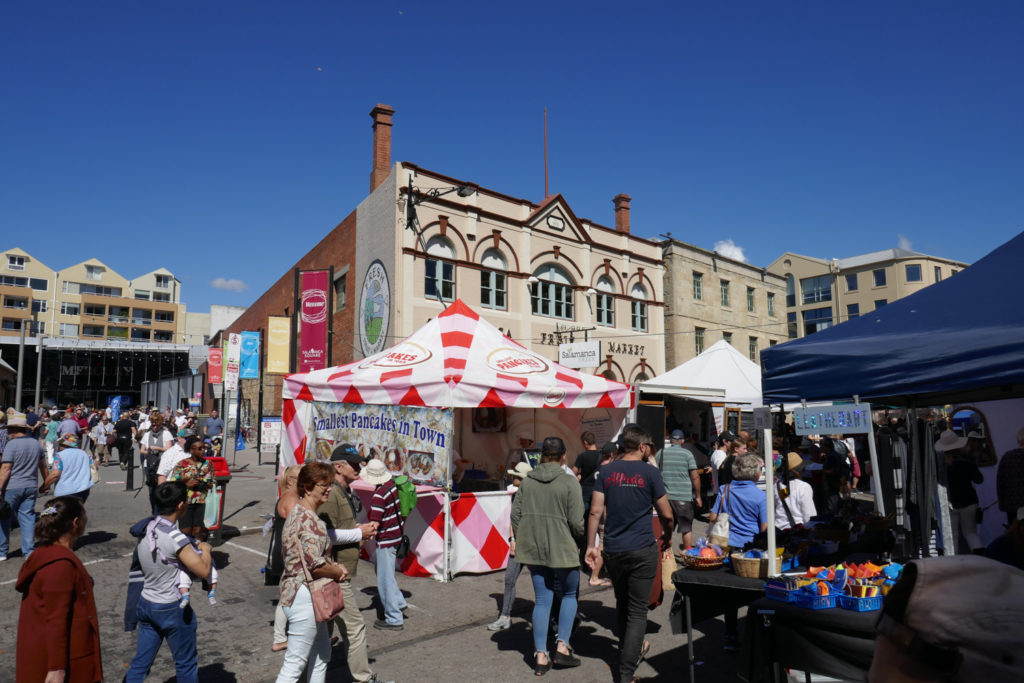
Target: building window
771,304
97,310
39,284
68,330
439,282
698,287
39,305
852,311
163,336
790,290
70,287
163,281
817,319
92,330
791,324
880,302
913,271
724,288
727,337
879,276
604,301
142,295
851,282
938,274
164,316
118,314
69,309
12,324
752,348
698,340
953,272
492,281
142,316
15,302
140,334
94,273
638,317
814,290
340,291
552,294
161,296
750,299
16,263
772,342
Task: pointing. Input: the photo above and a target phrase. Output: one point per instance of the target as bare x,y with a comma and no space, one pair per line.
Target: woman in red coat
58,631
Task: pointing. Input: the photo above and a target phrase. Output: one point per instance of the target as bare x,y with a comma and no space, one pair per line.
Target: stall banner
837,419
270,434
313,320
214,365
481,527
279,344
234,356
411,440
249,367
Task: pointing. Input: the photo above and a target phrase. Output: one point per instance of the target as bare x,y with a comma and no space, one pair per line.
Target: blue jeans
387,586
23,504
544,592
309,646
178,626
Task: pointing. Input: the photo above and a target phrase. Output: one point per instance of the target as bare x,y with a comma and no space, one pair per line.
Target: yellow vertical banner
279,332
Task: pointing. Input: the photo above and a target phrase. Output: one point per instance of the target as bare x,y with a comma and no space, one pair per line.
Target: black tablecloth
711,592
834,642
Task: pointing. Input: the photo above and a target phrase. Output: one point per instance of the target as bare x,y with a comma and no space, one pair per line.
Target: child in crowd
185,582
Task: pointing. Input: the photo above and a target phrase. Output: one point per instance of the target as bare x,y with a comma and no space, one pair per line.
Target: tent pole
446,557
879,500
769,475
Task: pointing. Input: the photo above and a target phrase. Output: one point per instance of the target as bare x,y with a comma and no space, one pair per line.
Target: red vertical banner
313,320
215,366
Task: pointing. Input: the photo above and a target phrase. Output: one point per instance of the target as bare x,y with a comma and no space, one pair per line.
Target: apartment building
709,297
822,293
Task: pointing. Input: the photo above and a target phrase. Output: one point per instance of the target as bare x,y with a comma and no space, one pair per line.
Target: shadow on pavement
95,537
212,673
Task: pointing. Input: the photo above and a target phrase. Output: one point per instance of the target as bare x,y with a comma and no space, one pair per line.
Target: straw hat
520,470
794,461
949,441
16,420
375,472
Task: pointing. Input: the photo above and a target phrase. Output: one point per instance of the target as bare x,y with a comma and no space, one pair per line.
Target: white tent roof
721,367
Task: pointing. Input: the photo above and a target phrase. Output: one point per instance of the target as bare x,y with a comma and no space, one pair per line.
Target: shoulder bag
719,532
328,600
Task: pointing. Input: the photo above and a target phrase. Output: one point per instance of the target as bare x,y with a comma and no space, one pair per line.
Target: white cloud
903,242
230,284
728,249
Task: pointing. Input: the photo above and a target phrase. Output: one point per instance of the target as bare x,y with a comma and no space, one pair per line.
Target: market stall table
704,594
833,642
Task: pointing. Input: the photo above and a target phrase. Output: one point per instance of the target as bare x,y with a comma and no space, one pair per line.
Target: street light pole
39,368
21,368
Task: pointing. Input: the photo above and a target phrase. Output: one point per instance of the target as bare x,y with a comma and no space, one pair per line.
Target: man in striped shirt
384,510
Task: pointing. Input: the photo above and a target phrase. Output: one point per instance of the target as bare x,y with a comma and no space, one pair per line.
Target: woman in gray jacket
547,521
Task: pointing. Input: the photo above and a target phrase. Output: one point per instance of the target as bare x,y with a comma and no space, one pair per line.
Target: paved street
445,636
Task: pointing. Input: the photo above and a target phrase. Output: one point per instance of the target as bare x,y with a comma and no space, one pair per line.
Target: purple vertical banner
313,320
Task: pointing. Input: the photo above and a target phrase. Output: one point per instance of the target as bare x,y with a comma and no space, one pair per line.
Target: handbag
326,595
111,439
668,568
719,531
94,471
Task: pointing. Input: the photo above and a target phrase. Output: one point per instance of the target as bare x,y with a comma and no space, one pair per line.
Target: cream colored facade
535,271
822,293
709,297
90,301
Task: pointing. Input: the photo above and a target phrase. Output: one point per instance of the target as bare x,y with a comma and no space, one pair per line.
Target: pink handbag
328,600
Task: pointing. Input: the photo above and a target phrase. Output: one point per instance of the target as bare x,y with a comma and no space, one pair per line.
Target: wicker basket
696,562
753,568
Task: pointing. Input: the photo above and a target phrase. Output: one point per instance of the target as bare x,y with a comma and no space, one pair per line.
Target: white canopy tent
718,369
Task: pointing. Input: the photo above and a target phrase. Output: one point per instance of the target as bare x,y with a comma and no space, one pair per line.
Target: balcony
142,321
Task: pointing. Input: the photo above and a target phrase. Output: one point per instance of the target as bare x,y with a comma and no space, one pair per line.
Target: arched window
552,294
492,280
605,302
439,281
638,307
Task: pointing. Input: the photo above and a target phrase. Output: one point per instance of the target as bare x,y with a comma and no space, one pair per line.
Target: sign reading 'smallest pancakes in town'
374,309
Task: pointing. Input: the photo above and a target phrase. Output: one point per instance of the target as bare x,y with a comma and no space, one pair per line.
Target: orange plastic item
823,588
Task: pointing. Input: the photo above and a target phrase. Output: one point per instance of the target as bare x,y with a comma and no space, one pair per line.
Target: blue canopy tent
960,339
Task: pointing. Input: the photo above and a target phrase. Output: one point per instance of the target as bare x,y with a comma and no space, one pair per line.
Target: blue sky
223,139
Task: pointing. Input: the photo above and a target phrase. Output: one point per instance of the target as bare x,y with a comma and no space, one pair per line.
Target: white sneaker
3,558
500,625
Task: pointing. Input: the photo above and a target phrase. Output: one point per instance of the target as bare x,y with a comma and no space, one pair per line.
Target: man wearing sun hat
71,470
22,458
385,511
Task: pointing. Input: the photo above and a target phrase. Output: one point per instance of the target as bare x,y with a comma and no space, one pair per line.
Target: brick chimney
381,115
622,212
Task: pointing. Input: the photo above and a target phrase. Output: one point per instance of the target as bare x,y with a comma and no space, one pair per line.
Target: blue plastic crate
780,594
810,601
860,604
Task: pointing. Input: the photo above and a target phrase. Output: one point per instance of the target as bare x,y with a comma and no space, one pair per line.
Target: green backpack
406,495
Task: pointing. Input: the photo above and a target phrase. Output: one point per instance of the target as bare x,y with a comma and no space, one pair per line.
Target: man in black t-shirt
629,488
124,429
586,466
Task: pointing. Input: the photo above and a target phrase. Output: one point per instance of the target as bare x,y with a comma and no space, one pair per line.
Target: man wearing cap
1010,480
339,514
682,481
384,511
22,458
70,472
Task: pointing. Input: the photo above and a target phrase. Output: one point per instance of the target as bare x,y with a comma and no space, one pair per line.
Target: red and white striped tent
457,360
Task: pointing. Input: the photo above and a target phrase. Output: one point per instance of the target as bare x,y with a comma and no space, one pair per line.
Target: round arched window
492,280
552,295
439,276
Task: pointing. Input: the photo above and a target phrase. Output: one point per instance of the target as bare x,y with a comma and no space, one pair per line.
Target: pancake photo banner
410,440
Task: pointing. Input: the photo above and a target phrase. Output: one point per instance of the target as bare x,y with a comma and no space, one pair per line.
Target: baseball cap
677,434
346,452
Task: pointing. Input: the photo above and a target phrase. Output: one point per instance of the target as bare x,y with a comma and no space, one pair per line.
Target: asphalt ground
445,636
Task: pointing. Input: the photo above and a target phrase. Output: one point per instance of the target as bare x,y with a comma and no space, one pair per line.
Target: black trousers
632,573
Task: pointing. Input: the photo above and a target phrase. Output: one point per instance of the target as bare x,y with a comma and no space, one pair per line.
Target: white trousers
307,642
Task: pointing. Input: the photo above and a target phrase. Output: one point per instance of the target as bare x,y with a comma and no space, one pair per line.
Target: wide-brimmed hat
69,441
949,441
793,461
16,421
375,472
520,470
975,435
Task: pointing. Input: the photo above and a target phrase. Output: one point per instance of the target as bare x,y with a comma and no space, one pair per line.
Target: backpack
406,495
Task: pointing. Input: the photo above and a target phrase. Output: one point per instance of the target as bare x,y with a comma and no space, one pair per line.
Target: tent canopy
718,370
960,339
459,360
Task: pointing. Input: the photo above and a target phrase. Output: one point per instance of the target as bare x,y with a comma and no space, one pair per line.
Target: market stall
415,406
